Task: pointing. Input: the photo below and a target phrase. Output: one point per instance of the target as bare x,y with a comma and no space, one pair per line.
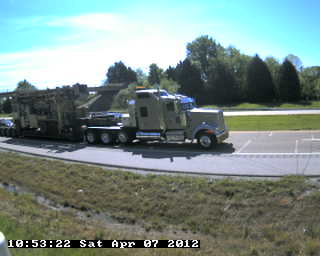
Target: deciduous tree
25,86
201,50
120,73
7,106
155,74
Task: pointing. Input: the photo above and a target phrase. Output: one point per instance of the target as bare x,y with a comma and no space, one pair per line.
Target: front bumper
222,136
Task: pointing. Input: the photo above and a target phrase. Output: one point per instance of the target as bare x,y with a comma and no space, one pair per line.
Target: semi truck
153,115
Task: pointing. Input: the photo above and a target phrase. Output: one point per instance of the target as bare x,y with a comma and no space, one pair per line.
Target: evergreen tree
190,81
259,81
119,73
289,83
274,67
222,85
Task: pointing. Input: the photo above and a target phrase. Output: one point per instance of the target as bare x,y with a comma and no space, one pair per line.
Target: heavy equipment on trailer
54,113
154,115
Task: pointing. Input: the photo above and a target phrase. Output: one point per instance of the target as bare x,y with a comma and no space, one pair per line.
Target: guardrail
4,251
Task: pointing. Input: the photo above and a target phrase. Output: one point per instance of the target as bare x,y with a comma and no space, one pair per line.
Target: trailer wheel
91,137
106,138
123,137
14,133
9,132
206,141
5,132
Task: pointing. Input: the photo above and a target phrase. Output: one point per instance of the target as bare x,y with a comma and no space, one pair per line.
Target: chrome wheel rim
205,141
122,137
90,137
105,138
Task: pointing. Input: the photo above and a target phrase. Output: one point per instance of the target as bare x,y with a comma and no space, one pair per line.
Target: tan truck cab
158,115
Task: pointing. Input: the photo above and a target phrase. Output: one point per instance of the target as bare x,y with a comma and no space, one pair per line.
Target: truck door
172,116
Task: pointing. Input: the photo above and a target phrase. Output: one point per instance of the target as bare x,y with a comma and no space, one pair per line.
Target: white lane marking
270,134
275,154
296,147
244,146
312,139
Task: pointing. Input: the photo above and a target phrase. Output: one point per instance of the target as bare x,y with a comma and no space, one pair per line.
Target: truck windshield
187,106
187,103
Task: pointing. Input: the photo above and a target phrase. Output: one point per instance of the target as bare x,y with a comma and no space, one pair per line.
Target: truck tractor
156,115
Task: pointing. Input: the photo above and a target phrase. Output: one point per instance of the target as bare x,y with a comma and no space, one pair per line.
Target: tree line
6,104
213,74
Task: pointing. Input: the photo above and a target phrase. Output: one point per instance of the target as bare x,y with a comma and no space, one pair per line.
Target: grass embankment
230,217
275,122
245,105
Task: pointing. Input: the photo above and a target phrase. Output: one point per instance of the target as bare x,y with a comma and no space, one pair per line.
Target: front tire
206,141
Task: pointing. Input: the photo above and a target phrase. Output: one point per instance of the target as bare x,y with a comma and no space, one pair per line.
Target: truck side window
143,112
170,106
143,95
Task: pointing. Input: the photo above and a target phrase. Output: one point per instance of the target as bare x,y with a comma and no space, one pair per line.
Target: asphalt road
269,154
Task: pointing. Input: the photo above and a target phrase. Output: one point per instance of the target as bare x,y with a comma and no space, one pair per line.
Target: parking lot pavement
277,142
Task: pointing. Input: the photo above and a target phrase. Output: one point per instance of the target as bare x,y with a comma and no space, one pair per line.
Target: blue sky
62,42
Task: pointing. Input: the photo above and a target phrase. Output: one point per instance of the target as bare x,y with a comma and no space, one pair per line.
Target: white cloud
114,38
96,21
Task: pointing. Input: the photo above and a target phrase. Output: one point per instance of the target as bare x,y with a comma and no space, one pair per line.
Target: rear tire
91,137
106,138
206,141
124,138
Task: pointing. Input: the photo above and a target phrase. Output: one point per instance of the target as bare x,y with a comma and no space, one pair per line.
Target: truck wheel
123,137
91,137
106,138
1,131
206,141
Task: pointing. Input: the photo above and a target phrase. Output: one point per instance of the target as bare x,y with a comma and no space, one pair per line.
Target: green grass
231,217
245,105
5,115
275,122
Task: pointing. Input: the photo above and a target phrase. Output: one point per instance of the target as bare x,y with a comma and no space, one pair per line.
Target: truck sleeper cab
158,115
